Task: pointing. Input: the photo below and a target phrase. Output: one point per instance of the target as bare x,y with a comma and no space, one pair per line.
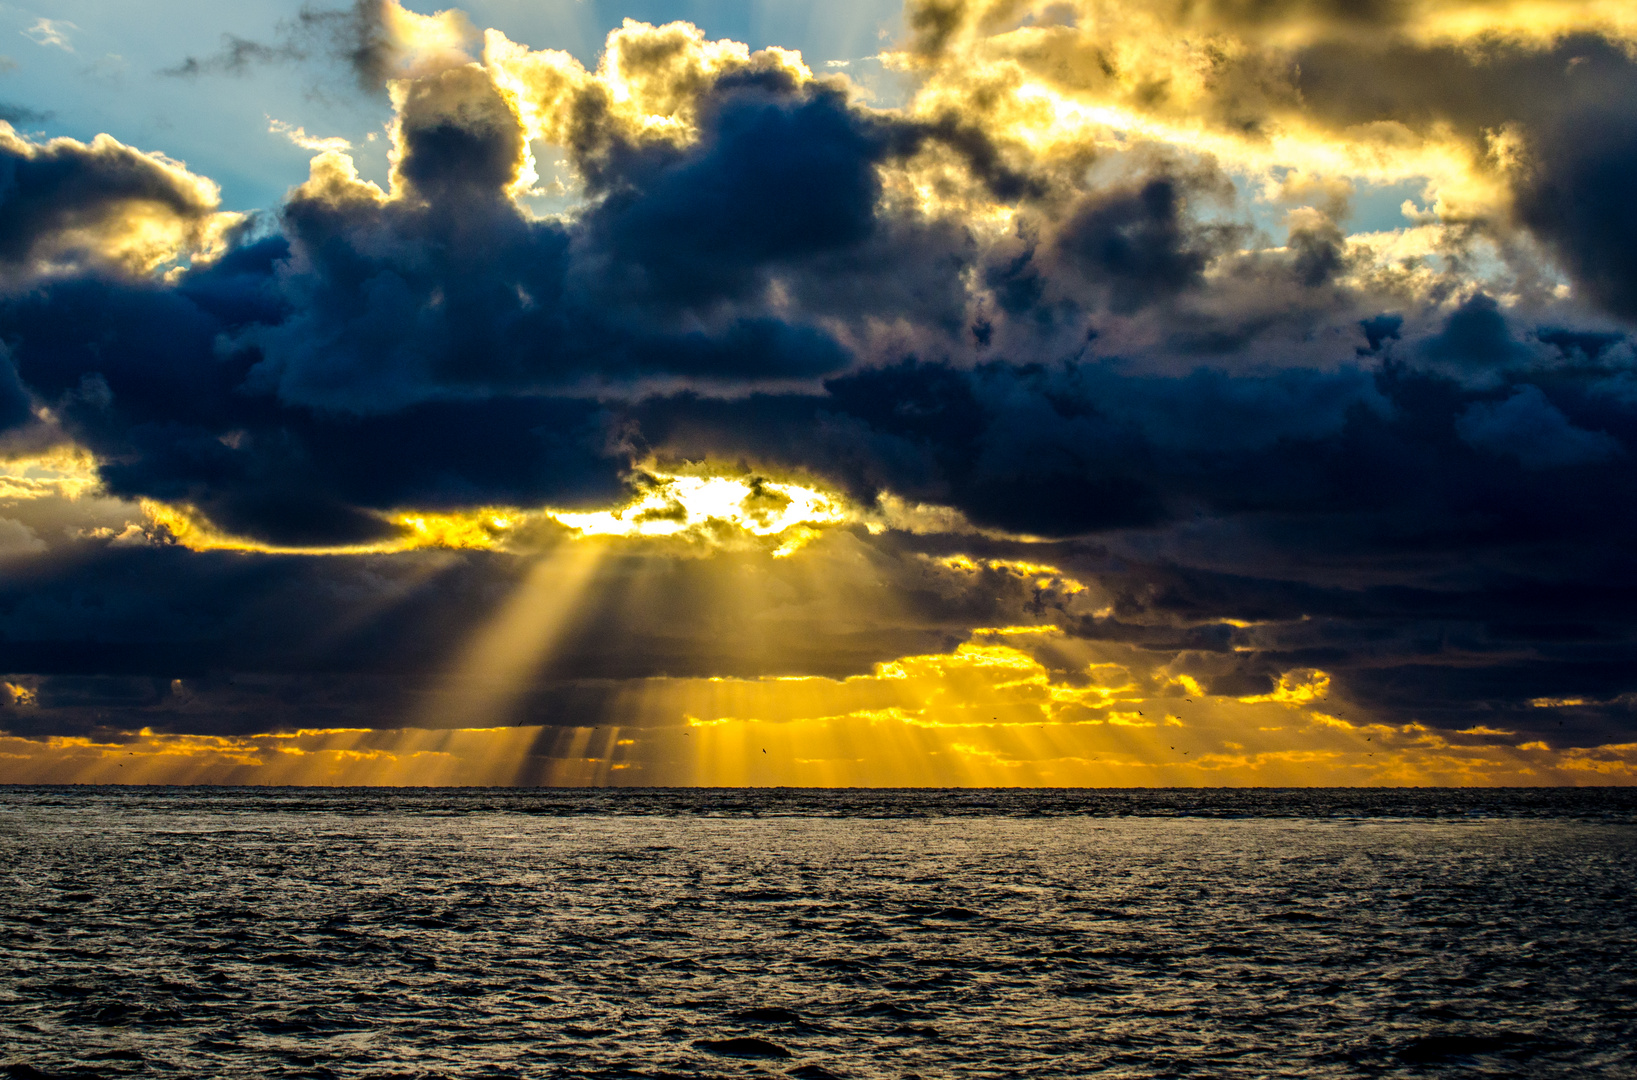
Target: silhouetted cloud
1574,196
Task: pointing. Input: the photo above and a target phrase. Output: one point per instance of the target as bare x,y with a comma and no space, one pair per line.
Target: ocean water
423,933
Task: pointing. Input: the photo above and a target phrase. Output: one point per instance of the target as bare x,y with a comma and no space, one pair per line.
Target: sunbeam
496,668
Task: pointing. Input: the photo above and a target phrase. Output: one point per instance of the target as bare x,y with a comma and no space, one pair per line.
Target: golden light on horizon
983,715
988,713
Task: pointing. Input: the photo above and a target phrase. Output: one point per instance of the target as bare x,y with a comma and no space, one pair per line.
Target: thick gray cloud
1577,197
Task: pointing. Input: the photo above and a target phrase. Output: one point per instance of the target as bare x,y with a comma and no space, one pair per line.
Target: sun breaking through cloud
1069,392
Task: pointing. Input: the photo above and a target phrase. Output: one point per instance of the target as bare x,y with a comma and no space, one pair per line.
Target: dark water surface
309,932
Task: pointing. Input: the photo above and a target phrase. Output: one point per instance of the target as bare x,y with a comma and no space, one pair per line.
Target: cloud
21,114
1528,427
375,40
18,539
51,32
238,56
777,177
71,207
1476,338
1136,242
1572,195
299,136
1086,303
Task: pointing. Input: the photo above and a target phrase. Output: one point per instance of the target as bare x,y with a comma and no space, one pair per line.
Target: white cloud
300,137
51,32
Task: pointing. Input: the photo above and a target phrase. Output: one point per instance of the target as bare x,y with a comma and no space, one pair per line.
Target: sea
418,933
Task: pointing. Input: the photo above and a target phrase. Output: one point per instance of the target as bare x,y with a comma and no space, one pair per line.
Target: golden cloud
697,509
983,714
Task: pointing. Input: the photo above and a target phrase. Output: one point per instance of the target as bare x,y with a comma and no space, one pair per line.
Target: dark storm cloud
15,410
461,142
1424,498
1411,532
1530,428
1149,255
136,375
774,180
1476,337
1138,243
383,353
1069,449
1507,635
1577,197
450,289
784,179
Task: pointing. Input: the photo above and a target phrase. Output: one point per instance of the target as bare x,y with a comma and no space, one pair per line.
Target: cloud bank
1092,300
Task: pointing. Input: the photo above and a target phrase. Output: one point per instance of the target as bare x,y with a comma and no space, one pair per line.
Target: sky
978,392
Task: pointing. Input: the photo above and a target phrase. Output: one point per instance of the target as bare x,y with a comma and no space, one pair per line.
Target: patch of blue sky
111,78
1370,208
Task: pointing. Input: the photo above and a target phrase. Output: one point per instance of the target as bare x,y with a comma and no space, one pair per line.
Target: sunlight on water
467,933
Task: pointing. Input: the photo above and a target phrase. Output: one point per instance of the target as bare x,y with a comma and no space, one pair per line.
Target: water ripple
348,933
